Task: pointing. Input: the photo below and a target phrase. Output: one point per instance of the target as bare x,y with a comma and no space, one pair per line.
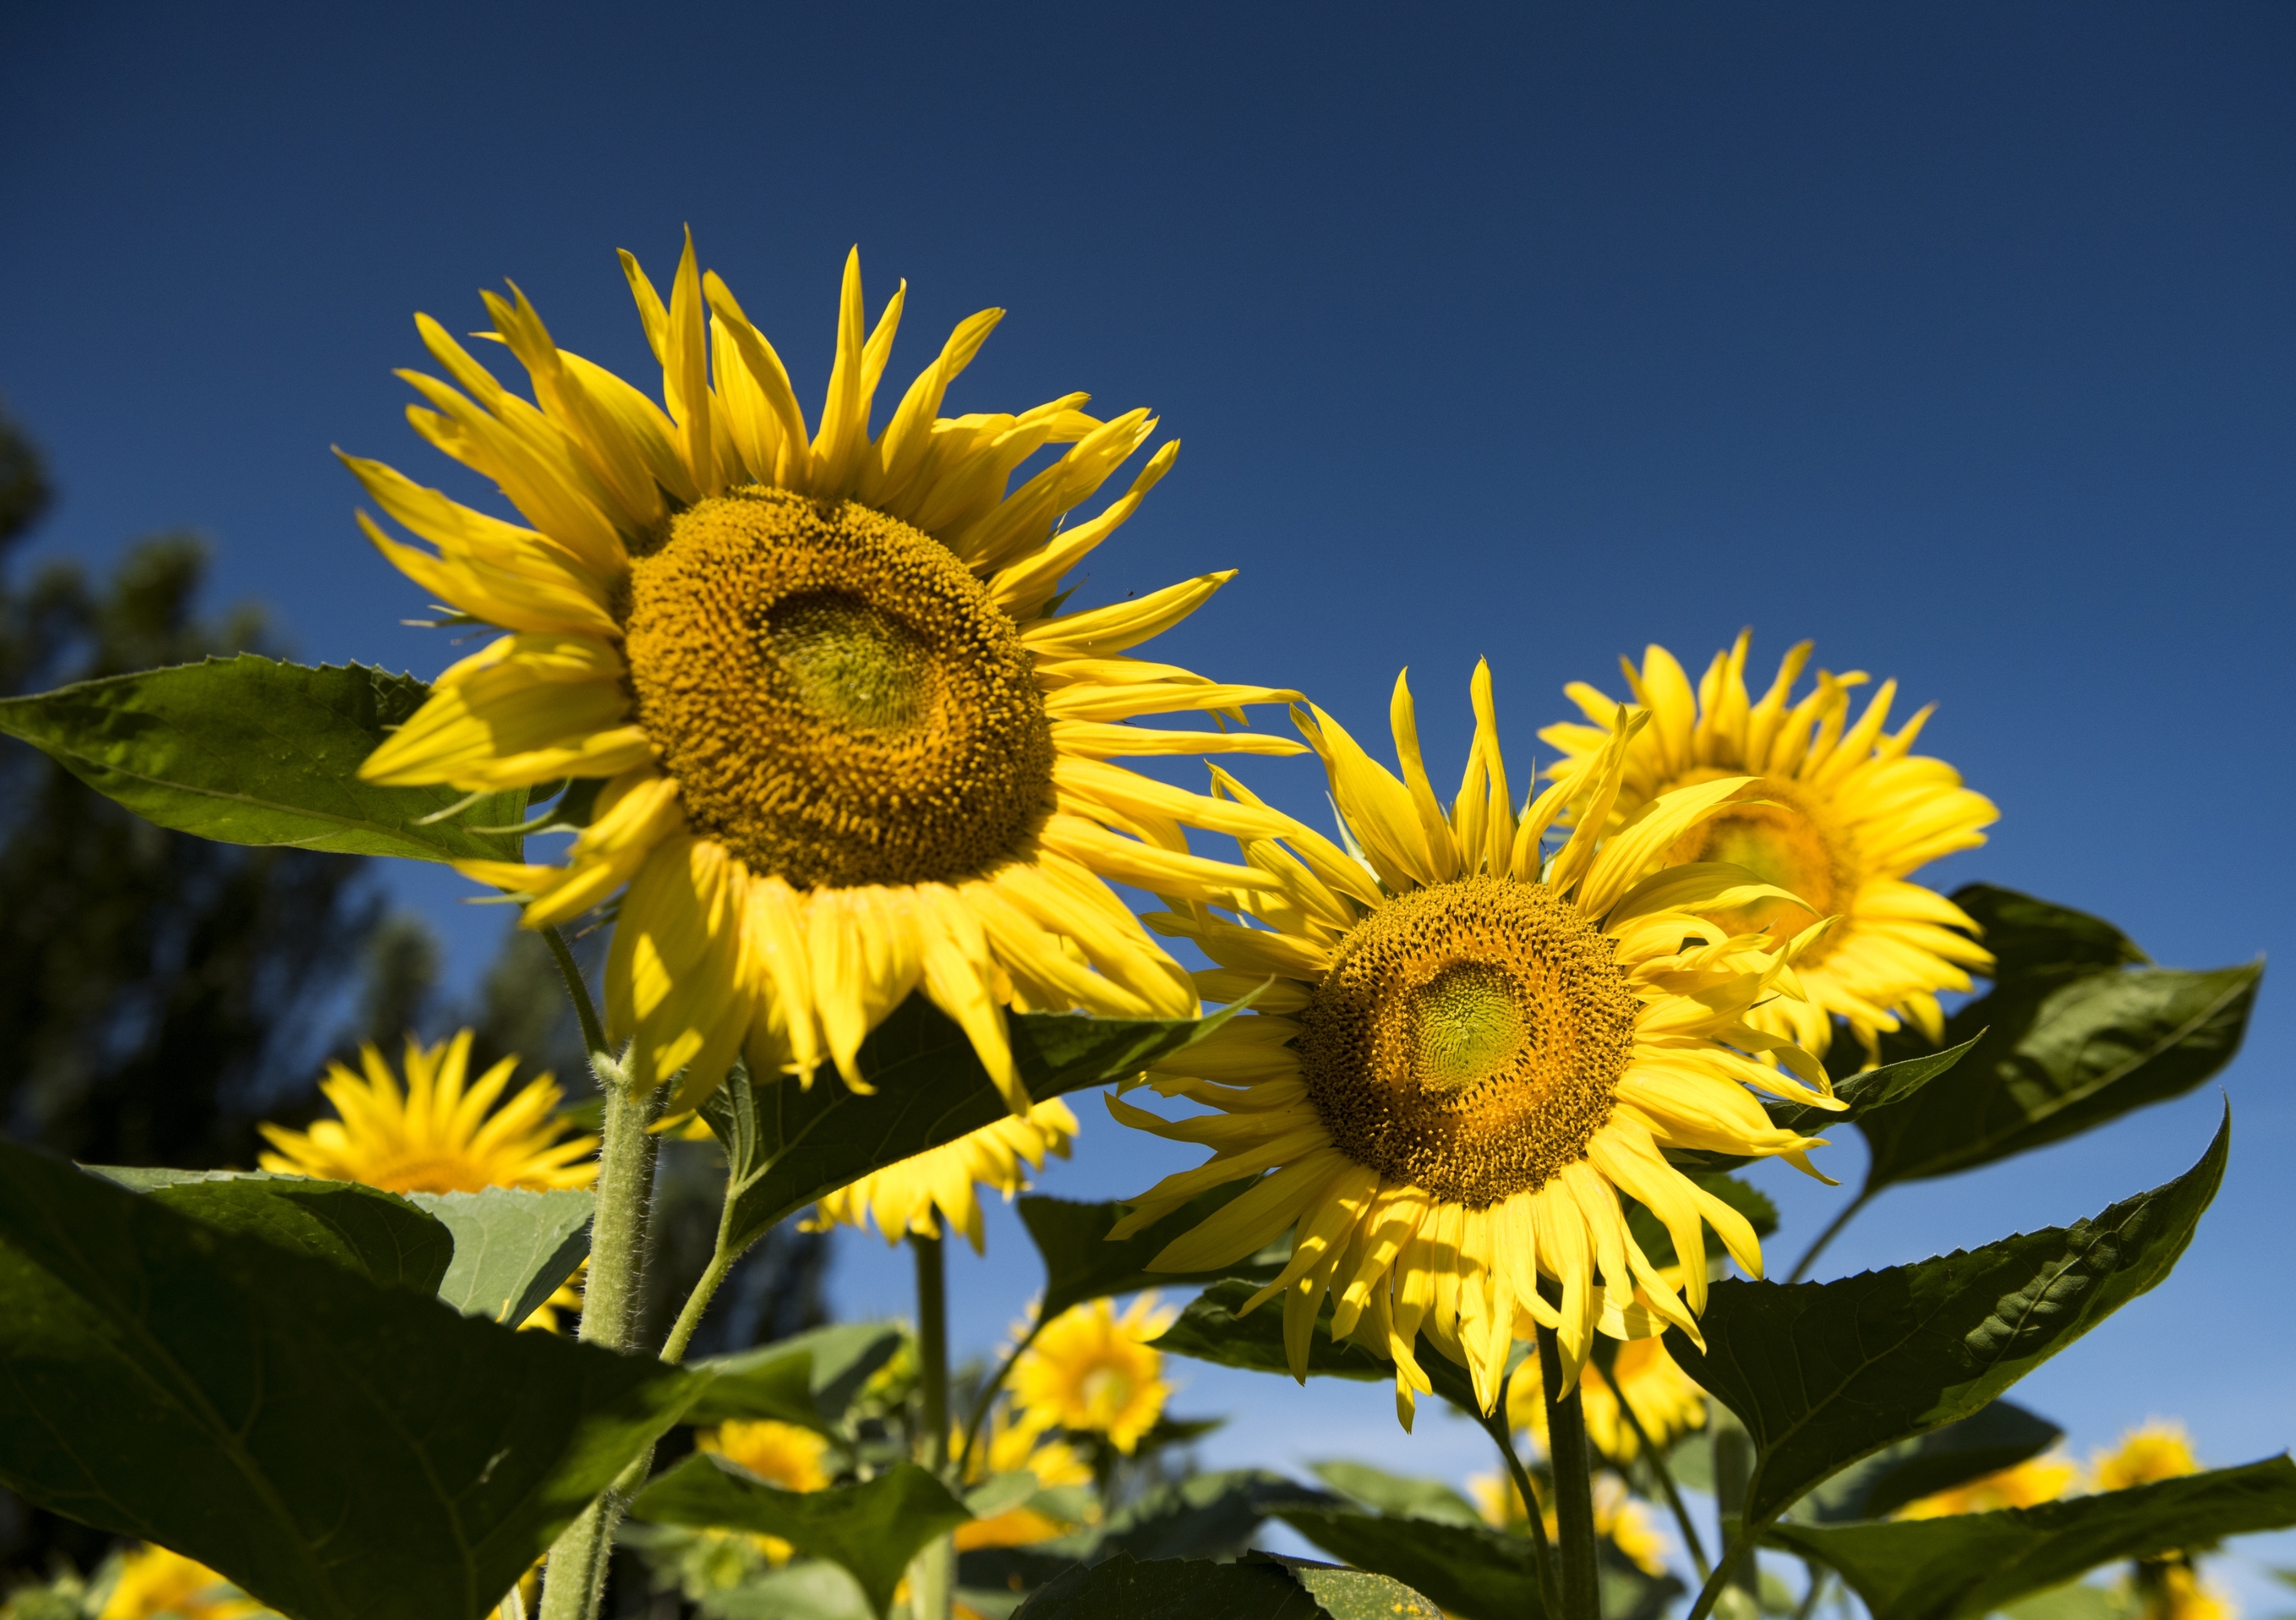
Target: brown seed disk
838,698
1469,1038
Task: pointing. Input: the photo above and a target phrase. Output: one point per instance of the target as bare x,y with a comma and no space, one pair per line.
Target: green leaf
513,1248
813,1589
1474,1571
2073,1602
2069,1037
1172,1590
788,1144
1395,1495
1081,1264
1997,1436
1207,1515
1353,1594
343,1452
246,750
376,1234
1823,1374
872,1529
1973,1563
1209,1330
809,1378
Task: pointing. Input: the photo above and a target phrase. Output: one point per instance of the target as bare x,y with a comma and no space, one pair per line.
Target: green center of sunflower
1787,842
839,699
1468,1039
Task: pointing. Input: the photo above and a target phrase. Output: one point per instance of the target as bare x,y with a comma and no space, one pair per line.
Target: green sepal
248,750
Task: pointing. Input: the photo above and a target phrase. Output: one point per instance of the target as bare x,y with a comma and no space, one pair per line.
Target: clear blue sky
1958,337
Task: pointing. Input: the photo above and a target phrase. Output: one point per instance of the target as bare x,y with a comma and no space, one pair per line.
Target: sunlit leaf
513,1248
248,750
1474,1571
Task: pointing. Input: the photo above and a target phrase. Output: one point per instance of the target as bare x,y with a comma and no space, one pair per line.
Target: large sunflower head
1835,809
1464,1051
442,1133
1093,1372
849,745
903,1197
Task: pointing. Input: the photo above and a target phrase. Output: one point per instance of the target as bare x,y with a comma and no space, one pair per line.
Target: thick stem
1809,1256
1665,1477
1542,1555
1574,1489
932,1574
575,1577
986,1398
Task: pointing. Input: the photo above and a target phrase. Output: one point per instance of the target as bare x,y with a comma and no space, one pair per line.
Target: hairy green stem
1542,1555
1665,1477
1832,1230
575,1577
932,1574
1581,1588
577,992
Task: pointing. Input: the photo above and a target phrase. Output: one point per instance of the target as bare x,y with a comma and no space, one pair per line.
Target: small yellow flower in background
2158,1450
851,747
2171,1590
1840,816
1092,1371
1663,1397
2029,1485
155,1583
780,1454
437,1136
1007,1448
903,1197
1627,1525
1463,1052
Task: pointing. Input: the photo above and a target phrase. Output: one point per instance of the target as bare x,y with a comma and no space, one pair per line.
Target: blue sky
1957,337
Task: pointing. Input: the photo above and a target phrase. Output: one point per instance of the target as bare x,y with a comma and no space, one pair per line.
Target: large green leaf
1081,1264
1997,1436
2070,1036
246,750
343,1452
809,1378
1474,1571
1207,1515
1209,1330
872,1529
1396,1495
513,1248
1353,1594
376,1234
812,1590
1823,1374
787,1145
1971,1564
1174,1589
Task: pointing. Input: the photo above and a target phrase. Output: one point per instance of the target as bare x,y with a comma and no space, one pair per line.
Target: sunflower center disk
1469,1038
838,698
1782,842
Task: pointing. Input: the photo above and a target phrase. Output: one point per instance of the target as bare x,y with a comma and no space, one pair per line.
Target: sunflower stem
932,1574
1833,1230
1542,1556
575,1578
1665,1477
577,992
1574,1489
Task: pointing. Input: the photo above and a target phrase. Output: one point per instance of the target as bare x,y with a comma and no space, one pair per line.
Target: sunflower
849,744
2160,1449
780,1454
1664,1400
1009,1447
155,1583
2028,1485
1620,1520
1839,814
1462,1055
1092,1371
437,1136
902,1197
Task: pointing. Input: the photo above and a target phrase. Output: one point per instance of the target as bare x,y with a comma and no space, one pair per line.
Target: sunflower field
796,714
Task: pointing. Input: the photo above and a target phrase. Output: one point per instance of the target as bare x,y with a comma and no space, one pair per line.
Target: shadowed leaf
377,1235
1175,1589
1999,1437
1081,1264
